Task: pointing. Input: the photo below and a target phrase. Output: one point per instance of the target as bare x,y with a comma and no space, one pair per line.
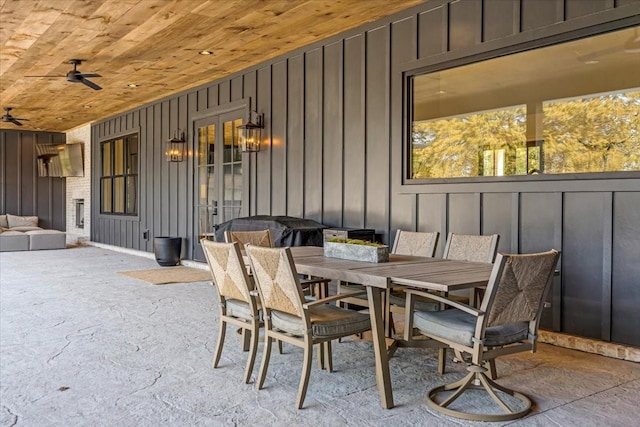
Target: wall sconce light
250,133
175,147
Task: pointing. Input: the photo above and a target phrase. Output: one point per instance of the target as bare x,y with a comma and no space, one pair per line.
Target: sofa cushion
22,221
46,239
14,241
23,229
3,221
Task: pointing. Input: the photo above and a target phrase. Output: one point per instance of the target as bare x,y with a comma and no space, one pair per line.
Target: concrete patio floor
83,346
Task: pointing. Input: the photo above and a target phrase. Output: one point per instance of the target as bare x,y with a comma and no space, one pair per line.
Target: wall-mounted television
61,160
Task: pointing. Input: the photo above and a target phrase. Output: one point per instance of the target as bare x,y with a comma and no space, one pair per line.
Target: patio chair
471,247
412,243
313,286
291,318
238,305
257,238
506,322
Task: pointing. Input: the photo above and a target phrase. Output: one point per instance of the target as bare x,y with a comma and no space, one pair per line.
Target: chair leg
279,346
221,334
266,354
328,357
252,352
246,339
321,353
493,374
442,359
306,370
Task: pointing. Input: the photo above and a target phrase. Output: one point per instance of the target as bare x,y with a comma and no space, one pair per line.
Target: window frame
125,175
424,66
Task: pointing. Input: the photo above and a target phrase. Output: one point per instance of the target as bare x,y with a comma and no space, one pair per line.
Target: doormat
166,275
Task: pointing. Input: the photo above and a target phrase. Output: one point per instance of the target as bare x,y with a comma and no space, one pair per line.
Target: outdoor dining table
417,272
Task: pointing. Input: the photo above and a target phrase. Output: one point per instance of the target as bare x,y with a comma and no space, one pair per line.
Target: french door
220,193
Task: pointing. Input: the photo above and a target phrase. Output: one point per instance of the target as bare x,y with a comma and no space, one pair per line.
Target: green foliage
355,242
598,134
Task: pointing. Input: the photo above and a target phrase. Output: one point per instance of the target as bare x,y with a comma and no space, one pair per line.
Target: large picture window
119,176
569,108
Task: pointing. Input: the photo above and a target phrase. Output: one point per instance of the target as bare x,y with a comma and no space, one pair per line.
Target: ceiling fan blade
83,75
15,122
18,118
52,77
91,84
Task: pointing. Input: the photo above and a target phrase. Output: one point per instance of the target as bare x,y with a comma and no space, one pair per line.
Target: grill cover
286,230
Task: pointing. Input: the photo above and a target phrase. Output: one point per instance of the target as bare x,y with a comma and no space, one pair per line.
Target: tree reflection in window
517,115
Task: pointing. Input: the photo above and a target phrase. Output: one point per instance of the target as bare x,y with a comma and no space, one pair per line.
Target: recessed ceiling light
591,62
441,92
59,118
87,106
205,52
132,85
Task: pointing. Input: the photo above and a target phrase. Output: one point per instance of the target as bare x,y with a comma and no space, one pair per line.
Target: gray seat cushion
459,327
240,309
420,305
326,321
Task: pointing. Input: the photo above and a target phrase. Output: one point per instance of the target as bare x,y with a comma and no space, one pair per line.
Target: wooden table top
419,272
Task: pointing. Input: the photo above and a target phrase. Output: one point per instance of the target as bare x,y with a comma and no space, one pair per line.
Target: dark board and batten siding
334,116
22,191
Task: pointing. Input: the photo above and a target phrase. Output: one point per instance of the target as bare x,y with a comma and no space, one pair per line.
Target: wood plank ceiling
153,44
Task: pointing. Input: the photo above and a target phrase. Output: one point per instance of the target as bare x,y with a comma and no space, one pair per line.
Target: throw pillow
22,221
3,221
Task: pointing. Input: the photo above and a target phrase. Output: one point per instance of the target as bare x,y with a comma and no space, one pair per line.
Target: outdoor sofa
21,233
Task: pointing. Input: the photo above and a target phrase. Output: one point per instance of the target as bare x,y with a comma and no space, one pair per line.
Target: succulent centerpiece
356,250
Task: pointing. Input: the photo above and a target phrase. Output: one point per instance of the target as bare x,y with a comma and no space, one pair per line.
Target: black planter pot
167,250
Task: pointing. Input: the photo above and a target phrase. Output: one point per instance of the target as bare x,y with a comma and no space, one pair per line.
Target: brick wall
79,188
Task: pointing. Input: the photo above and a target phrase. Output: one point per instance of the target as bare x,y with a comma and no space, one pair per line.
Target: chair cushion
419,305
459,327
240,309
326,321
3,221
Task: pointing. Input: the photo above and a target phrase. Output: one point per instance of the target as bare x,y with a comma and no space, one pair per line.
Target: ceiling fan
75,76
8,118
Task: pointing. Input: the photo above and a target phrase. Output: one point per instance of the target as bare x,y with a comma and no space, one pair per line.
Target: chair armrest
332,298
456,304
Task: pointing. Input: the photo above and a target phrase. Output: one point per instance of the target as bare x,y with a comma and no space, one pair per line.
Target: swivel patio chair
506,322
291,318
239,304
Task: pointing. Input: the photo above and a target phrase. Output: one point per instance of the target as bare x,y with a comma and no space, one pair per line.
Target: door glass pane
228,141
237,184
206,181
237,154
